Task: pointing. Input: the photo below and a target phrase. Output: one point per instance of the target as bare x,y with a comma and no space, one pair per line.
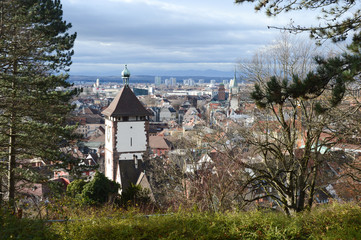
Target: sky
167,37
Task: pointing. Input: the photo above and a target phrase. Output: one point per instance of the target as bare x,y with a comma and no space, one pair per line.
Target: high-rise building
173,81
191,82
158,80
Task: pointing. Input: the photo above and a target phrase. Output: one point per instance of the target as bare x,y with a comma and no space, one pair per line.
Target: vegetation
35,54
135,196
12,227
338,18
326,222
98,191
303,114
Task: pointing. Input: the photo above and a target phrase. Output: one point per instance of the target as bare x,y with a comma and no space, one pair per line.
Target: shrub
13,228
135,195
75,187
99,190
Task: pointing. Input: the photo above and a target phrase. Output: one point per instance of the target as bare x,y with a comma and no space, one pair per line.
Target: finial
125,75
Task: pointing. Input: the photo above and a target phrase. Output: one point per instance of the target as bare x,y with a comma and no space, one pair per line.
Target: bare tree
302,113
286,56
203,171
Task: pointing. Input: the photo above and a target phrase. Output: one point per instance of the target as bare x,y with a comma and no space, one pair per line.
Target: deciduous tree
308,114
300,120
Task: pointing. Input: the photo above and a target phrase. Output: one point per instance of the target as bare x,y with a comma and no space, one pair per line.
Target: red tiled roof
126,104
158,142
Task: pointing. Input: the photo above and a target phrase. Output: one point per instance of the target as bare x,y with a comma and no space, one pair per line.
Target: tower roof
125,72
234,82
126,104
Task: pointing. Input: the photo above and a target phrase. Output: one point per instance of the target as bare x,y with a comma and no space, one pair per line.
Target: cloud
164,33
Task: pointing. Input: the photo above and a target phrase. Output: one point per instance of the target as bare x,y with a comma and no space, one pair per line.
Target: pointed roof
126,104
234,82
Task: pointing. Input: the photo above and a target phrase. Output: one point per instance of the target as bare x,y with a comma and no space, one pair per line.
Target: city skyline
158,37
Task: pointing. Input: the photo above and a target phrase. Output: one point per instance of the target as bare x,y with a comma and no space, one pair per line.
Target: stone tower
126,136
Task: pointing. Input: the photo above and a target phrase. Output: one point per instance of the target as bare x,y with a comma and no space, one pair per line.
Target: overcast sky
160,36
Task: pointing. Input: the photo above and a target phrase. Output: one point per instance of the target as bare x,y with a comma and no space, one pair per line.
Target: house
159,146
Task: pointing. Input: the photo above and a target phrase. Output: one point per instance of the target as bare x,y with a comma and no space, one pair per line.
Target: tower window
125,119
131,141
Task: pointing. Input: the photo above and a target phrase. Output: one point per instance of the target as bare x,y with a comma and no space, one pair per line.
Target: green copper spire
126,75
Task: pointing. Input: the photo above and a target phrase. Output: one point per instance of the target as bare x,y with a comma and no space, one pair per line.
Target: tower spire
235,75
125,75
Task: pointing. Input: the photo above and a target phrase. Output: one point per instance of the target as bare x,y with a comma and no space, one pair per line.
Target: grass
339,221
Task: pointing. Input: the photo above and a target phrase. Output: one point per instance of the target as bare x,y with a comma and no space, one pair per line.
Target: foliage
12,227
328,222
334,221
135,195
304,117
338,17
301,116
75,187
35,54
99,190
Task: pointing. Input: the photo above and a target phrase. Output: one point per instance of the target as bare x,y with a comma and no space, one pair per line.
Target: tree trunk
11,165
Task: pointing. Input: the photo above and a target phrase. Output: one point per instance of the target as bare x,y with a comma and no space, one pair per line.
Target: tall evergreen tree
35,54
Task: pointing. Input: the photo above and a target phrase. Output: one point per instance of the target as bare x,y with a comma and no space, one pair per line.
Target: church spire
235,76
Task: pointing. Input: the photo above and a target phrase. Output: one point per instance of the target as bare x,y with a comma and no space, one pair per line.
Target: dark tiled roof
126,104
128,173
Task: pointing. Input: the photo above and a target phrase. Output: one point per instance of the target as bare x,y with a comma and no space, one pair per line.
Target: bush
95,192
99,190
14,228
135,195
330,222
75,187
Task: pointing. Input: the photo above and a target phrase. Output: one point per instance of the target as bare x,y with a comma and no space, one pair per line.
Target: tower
126,135
221,92
234,102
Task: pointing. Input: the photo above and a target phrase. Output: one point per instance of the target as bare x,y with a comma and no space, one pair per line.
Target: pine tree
35,54
337,19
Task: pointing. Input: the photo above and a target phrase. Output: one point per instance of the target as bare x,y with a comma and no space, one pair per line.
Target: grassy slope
330,222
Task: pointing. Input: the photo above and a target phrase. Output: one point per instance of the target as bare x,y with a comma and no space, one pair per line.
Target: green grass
340,221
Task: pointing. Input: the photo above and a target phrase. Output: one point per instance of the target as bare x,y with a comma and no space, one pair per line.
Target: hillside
326,222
